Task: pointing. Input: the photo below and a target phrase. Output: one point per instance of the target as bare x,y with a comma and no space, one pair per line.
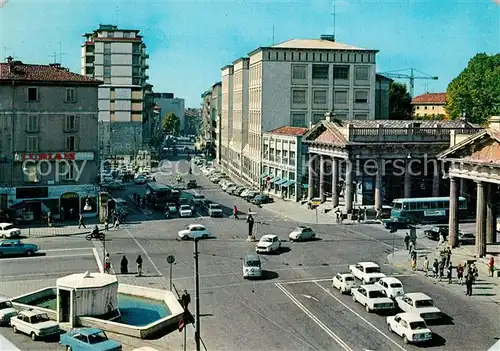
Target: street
292,308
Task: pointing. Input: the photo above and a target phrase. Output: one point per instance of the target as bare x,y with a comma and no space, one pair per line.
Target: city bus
425,210
159,194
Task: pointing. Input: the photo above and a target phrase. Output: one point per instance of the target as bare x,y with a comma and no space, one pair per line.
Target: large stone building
118,58
48,144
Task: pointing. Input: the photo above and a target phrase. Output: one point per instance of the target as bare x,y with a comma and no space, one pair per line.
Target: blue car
88,339
16,247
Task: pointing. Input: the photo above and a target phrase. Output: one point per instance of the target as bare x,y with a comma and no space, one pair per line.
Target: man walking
469,279
250,222
139,266
426,266
186,300
407,241
81,222
107,264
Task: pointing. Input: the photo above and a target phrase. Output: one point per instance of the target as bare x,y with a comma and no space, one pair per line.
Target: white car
194,231
8,231
410,326
367,272
172,208
227,185
35,324
185,211
268,244
344,282
214,210
420,304
372,297
245,192
302,233
7,311
392,286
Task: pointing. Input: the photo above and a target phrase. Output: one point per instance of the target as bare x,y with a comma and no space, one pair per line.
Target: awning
275,179
281,182
263,175
288,183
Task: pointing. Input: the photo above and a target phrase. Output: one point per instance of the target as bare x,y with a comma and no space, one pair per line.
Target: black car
437,231
191,184
466,238
262,199
198,199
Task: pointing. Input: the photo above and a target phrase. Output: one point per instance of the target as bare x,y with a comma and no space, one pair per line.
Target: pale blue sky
189,41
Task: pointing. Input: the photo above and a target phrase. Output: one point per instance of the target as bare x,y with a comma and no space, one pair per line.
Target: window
317,117
361,97
278,156
341,116
107,71
136,71
32,144
32,124
32,94
136,60
111,34
67,171
136,48
319,96
298,119
70,124
127,35
285,156
107,48
107,59
89,59
135,81
360,116
299,97
107,80
320,71
70,95
299,72
340,72
30,174
71,143
340,97
362,72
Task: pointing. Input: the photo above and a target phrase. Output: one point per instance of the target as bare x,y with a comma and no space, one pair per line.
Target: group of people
123,265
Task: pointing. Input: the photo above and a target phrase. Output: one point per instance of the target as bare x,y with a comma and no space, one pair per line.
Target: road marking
145,253
41,256
315,319
361,317
73,249
307,281
310,297
98,260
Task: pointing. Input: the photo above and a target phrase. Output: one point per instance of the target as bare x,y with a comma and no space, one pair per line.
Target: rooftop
411,317
87,280
321,44
288,130
430,98
418,296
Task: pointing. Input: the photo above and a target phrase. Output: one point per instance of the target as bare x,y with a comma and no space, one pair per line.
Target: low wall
23,302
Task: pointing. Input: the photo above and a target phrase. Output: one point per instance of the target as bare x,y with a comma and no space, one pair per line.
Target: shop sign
432,213
54,156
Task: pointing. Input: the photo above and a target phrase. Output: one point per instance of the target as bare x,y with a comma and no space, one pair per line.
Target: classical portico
373,162
475,159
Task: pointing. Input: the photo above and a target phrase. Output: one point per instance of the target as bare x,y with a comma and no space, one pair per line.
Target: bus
159,194
425,210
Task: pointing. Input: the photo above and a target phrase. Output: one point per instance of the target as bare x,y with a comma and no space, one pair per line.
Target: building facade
227,116
382,86
118,58
168,103
206,116
215,115
49,153
283,162
429,105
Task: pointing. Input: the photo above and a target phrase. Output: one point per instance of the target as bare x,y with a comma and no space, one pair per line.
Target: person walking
81,223
441,271
426,266
435,268
460,274
124,265
186,300
250,222
61,215
449,271
337,214
106,224
407,241
378,215
448,256
491,266
139,266
469,279
414,260
107,264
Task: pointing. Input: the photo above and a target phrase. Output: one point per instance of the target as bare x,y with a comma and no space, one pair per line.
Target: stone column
480,221
349,187
322,195
435,181
453,220
491,215
310,184
335,181
407,179
378,186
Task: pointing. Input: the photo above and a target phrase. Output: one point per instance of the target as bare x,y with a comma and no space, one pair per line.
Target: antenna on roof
54,57
61,54
117,11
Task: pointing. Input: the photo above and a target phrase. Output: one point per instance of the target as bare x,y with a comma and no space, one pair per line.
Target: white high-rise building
118,58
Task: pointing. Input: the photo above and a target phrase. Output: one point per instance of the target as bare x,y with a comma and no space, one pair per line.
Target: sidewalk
59,230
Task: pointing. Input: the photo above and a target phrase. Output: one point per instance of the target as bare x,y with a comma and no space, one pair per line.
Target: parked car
437,231
185,211
7,230
191,184
410,326
344,282
88,339
11,247
392,286
251,195
172,207
140,179
214,210
194,231
227,185
419,303
268,244
466,238
7,311
237,191
245,192
230,189
198,199
367,272
372,297
35,324
302,233
262,199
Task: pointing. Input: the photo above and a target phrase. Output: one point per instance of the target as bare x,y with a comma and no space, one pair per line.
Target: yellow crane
399,74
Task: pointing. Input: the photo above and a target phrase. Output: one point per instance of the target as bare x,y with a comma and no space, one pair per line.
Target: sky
190,41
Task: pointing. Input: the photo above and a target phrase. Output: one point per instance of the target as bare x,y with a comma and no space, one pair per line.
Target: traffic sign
170,259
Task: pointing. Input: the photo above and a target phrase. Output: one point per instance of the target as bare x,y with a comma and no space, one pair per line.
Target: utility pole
197,297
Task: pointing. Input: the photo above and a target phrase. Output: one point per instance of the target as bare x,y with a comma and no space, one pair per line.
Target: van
252,266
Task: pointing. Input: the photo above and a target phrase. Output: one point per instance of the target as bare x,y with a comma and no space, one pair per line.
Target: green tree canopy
399,101
171,124
476,90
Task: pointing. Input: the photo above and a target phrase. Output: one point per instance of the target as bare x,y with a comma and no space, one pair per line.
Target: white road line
72,249
145,253
361,317
307,281
40,256
98,260
315,319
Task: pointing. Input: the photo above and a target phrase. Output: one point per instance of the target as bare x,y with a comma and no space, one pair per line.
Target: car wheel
33,336
405,339
367,308
185,237
29,253
204,236
14,329
342,290
68,348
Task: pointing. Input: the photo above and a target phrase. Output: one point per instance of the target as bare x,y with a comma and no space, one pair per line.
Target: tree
399,101
170,124
475,92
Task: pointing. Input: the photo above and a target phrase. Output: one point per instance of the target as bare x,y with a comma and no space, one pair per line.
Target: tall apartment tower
118,58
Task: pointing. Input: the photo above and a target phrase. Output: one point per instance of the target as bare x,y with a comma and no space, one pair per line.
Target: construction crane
399,74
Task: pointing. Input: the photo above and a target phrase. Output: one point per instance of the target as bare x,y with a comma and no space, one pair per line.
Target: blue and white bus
425,210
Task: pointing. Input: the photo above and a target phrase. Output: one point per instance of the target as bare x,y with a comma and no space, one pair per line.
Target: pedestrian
469,279
491,267
460,274
81,223
250,222
412,248
407,241
364,214
124,265
441,270
341,217
185,299
139,266
426,266
435,268
49,219
106,224
116,223
448,256
61,214
359,214
337,214
449,273
378,215
107,264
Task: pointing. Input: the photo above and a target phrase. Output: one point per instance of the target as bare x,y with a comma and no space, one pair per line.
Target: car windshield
418,325
253,263
8,227
185,207
376,294
215,207
424,303
349,279
396,285
39,318
267,240
372,269
5,304
97,338
199,196
171,205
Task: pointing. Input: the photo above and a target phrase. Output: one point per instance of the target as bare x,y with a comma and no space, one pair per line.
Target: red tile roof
18,71
430,98
287,130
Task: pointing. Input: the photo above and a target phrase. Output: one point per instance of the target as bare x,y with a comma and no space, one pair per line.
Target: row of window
322,71
33,143
320,96
280,156
425,107
299,119
33,124
33,94
281,55
278,173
